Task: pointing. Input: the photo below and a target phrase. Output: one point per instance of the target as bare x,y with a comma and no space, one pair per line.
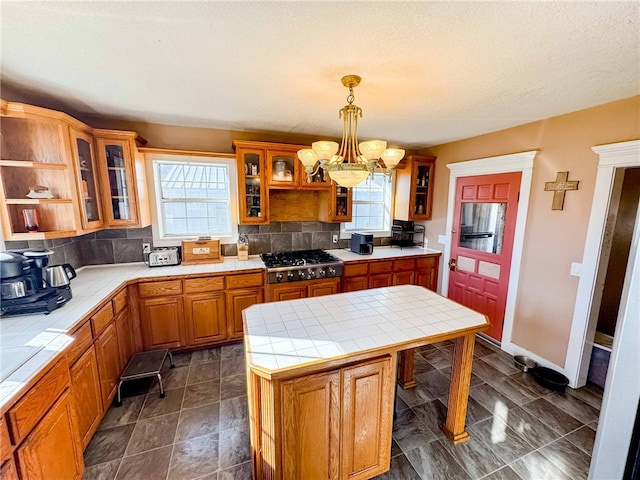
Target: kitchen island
321,377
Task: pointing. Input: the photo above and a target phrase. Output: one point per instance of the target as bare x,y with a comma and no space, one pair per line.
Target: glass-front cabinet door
253,196
117,182
421,188
87,180
282,169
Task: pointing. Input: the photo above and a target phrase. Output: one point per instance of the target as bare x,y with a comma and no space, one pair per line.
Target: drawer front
244,281
101,319
405,264
28,411
426,262
81,341
120,301
160,289
380,267
355,269
201,285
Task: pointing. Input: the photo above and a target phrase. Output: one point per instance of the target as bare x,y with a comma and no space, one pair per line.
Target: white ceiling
432,72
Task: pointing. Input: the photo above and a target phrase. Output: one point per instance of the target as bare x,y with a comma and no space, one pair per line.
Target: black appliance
403,234
362,243
24,289
300,265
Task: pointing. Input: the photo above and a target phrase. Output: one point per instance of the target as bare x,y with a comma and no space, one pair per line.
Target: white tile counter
292,333
381,253
28,343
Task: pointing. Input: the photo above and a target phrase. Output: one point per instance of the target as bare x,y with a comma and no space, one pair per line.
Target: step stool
143,365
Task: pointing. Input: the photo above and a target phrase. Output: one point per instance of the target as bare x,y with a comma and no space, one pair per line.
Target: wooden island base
332,418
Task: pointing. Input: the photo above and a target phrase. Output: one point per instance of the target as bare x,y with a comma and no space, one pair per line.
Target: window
195,198
372,206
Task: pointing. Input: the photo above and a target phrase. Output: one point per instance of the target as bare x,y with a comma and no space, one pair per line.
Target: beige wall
554,238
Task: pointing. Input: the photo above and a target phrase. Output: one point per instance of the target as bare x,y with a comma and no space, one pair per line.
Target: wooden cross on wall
559,187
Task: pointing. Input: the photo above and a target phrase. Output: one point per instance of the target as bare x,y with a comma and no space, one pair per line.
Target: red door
484,222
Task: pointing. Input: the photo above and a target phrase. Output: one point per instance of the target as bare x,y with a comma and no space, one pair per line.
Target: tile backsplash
125,245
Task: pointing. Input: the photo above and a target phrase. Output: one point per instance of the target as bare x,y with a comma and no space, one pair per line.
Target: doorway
484,220
516,162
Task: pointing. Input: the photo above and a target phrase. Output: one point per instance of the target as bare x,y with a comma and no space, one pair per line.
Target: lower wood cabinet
205,318
162,322
238,300
361,275
334,425
85,387
125,332
427,272
354,284
52,450
311,426
311,288
109,365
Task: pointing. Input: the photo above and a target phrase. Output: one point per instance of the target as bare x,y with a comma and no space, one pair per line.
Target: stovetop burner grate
297,258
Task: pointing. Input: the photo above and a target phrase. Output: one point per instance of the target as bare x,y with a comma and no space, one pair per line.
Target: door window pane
482,226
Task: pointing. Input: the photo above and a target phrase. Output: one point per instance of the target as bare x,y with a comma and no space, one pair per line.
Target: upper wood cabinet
414,188
36,153
253,199
336,204
87,181
123,183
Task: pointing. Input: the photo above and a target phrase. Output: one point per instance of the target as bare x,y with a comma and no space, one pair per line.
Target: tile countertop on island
284,335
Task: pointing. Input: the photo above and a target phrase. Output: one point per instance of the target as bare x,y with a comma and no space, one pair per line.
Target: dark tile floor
518,429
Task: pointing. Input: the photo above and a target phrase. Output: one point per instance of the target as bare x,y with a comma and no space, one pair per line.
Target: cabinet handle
453,263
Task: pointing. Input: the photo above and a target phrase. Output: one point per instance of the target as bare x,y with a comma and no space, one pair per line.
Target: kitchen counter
28,343
282,335
382,253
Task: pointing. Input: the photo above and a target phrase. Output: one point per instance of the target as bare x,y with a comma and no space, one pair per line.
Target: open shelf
30,164
36,201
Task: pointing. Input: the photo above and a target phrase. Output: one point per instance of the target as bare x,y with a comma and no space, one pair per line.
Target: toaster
162,257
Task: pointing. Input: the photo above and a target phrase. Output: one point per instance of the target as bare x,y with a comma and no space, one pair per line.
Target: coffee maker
24,286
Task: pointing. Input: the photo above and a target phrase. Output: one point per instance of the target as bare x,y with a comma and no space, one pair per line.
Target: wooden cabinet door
353,284
238,300
205,318
427,272
253,197
287,291
52,449
327,287
383,280
367,416
109,366
124,331
85,386
162,322
86,179
311,427
403,278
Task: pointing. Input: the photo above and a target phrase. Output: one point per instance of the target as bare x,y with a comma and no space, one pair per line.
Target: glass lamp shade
325,149
372,149
308,157
349,174
392,156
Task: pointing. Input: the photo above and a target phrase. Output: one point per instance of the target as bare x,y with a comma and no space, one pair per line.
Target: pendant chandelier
350,163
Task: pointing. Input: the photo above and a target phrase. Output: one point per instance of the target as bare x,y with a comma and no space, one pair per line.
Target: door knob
453,263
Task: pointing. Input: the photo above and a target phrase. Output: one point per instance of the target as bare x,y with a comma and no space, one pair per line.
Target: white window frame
159,238
346,234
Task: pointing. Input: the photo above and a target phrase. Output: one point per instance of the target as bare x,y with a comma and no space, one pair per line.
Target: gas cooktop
300,265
